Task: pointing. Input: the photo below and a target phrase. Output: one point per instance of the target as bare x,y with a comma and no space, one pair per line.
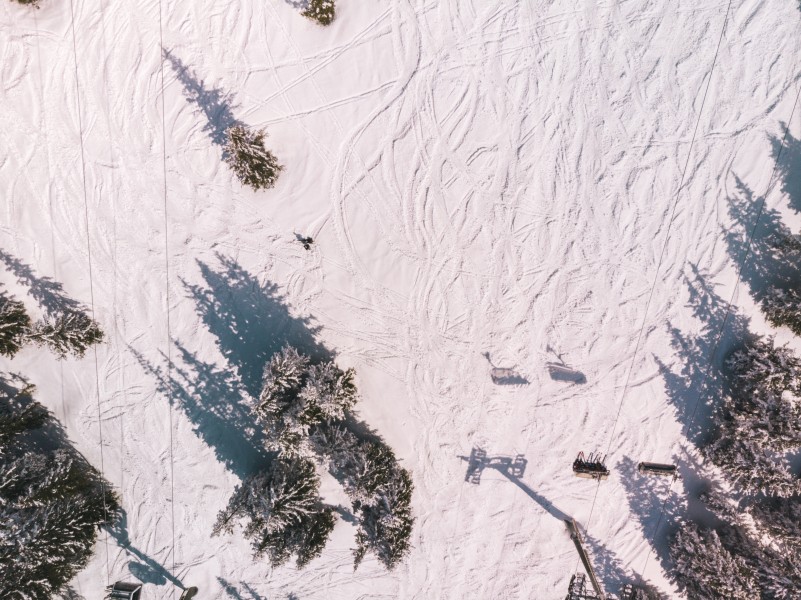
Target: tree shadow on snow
215,104
143,567
300,5
788,164
656,504
48,293
767,264
250,320
697,387
233,592
215,403
70,593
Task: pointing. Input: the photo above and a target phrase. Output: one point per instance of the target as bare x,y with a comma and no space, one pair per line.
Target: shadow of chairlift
504,375
478,461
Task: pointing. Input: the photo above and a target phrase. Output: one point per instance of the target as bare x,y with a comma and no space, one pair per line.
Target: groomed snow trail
482,180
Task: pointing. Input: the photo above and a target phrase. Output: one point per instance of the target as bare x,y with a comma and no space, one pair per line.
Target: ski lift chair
124,591
649,468
592,467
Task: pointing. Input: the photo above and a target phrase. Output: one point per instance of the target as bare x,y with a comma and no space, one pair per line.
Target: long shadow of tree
215,104
764,263
143,567
788,164
48,293
233,592
250,320
216,404
656,503
700,382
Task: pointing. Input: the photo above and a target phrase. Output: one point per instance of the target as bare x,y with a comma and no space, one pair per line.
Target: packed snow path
479,178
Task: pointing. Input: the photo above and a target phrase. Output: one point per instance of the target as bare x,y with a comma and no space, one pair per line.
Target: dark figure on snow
306,241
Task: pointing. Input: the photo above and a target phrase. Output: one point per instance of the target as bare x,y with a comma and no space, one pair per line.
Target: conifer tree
765,406
329,390
751,468
51,504
321,11
705,570
14,325
71,332
16,418
761,365
281,410
379,489
249,159
303,409
385,525
782,308
782,520
283,511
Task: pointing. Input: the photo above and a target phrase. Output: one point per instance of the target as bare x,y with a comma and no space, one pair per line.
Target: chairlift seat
649,468
592,467
124,591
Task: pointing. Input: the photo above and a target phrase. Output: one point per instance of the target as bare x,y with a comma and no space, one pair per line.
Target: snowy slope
479,177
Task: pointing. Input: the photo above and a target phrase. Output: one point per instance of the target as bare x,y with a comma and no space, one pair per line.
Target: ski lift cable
167,279
662,254
719,337
91,280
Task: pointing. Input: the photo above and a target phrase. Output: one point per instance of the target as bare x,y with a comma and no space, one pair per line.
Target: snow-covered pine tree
51,504
705,570
17,417
249,159
379,488
762,366
779,519
42,548
321,11
765,407
71,332
329,391
385,525
14,325
34,3
283,511
281,410
782,308
767,535
340,449
751,468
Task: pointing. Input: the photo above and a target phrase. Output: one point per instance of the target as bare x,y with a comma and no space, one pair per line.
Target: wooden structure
188,593
591,467
123,590
649,468
585,560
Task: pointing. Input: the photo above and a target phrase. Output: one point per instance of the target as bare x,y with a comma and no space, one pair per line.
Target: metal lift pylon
585,559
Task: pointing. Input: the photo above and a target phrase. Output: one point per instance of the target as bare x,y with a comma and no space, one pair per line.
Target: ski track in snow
478,178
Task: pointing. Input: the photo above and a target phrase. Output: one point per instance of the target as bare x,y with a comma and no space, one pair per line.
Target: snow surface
478,177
